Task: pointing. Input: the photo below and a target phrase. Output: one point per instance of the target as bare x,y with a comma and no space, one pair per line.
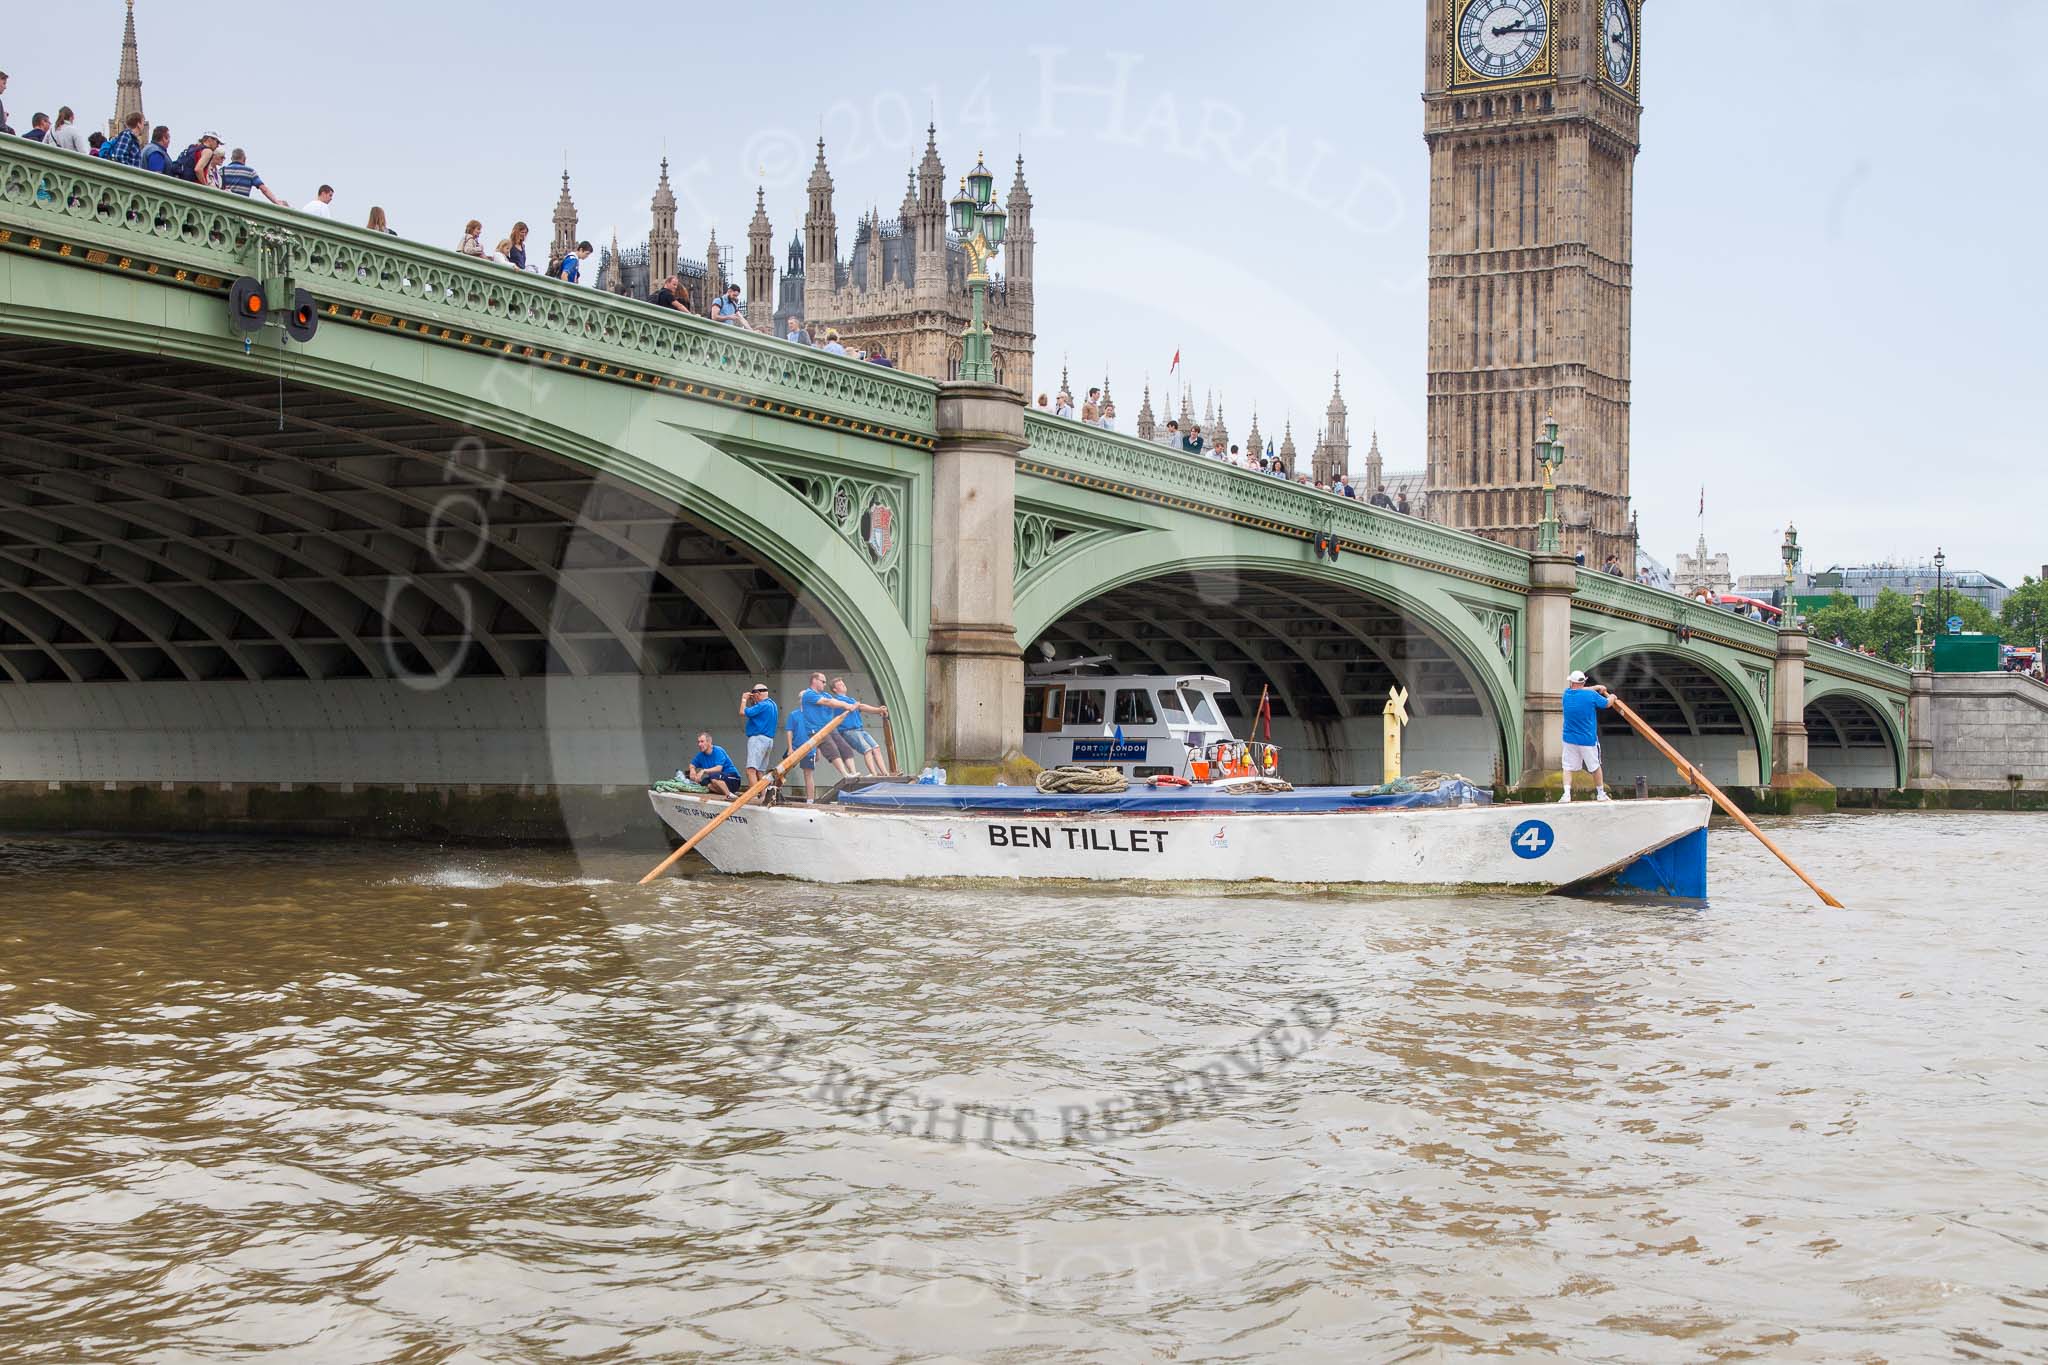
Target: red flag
1176,361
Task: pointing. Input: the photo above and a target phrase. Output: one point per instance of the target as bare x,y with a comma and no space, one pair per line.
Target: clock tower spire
1531,113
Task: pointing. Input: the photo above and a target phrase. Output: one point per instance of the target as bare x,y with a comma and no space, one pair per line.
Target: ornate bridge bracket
867,512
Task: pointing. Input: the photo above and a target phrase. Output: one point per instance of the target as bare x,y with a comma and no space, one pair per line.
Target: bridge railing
116,217
1134,463
1823,657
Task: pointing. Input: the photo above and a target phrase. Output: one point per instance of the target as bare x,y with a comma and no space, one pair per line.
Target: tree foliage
1886,628
2024,618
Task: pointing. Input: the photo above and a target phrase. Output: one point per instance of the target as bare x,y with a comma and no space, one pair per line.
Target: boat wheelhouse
1143,725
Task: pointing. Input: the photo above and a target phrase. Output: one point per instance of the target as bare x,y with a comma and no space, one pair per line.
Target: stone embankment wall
1989,728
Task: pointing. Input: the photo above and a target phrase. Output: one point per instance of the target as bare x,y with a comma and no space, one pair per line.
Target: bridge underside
231,579
1687,703
1849,745
1328,652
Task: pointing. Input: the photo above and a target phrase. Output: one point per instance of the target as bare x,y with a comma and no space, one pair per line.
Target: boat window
1134,708
1171,707
1084,707
1034,710
1204,710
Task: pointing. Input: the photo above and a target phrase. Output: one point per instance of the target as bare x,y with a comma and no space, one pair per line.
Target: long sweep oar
1699,779
796,756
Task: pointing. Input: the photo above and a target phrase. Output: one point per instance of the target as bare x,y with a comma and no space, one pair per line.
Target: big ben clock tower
1531,109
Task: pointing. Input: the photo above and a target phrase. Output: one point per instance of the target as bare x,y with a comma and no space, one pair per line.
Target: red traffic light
304,318
247,304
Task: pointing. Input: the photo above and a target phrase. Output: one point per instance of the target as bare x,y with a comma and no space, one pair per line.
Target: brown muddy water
337,1102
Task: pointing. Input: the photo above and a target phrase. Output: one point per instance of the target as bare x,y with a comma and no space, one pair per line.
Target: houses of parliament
902,289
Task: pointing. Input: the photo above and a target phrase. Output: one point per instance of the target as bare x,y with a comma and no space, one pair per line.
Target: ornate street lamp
1635,545
1549,454
980,221
1919,620
1940,598
1787,612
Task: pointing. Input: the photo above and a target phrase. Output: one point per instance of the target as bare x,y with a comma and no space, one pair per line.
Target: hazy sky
1837,259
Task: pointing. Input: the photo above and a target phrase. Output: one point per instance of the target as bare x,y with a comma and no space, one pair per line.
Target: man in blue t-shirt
712,766
1583,703
763,719
814,707
858,736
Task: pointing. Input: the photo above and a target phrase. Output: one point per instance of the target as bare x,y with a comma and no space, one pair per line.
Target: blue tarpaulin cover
1143,800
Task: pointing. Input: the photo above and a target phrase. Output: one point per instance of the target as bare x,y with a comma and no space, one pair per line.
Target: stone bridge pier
974,670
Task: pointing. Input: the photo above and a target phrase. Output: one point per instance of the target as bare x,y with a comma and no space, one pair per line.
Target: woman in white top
1063,406
1108,415
66,133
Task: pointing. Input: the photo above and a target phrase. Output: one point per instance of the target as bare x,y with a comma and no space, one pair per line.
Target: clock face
1620,42
1502,37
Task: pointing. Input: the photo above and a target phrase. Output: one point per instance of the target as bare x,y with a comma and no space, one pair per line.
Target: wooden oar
767,779
889,744
1699,779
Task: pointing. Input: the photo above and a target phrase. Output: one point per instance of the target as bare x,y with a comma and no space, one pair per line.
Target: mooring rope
1080,779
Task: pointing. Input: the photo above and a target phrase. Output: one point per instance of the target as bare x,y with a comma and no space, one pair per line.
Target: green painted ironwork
790,449
114,217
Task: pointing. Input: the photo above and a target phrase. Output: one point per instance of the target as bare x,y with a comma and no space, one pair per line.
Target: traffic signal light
304,318
248,307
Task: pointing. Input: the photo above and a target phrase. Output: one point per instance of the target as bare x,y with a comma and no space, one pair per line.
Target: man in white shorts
1583,703
763,718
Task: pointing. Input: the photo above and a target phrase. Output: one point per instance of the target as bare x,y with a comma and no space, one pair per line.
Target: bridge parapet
1065,450
117,218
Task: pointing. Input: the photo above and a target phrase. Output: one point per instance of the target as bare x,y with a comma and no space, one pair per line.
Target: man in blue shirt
858,737
727,309
713,767
239,177
763,719
1583,704
570,271
814,707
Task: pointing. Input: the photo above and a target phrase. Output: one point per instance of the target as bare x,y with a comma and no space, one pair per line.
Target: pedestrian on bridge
239,177
157,155
67,134
38,128
5,127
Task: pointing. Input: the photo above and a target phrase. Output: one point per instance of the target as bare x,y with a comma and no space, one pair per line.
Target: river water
341,1102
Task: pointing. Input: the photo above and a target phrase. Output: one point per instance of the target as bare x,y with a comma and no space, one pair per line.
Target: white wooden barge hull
1541,847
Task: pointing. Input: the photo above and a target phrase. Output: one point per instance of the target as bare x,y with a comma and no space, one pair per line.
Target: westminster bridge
493,539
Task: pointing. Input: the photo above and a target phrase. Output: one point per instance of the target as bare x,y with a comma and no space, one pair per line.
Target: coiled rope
1080,779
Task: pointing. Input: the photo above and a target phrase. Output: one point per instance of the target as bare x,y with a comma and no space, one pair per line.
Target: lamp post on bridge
1940,597
980,221
1919,625
1549,454
1788,614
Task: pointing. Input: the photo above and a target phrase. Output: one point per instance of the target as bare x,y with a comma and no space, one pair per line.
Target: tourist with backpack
196,163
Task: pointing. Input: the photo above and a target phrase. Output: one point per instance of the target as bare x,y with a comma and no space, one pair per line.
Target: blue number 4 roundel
1531,839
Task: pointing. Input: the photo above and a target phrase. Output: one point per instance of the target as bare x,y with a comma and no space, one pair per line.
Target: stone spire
1286,452
1063,382
1253,442
929,244
610,277
1187,409
714,274
1375,467
1148,425
1020,243
1105,389
565,222
761,266
907,216
1333,449
128,83
1221,434
1208,410
664,244
821,241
